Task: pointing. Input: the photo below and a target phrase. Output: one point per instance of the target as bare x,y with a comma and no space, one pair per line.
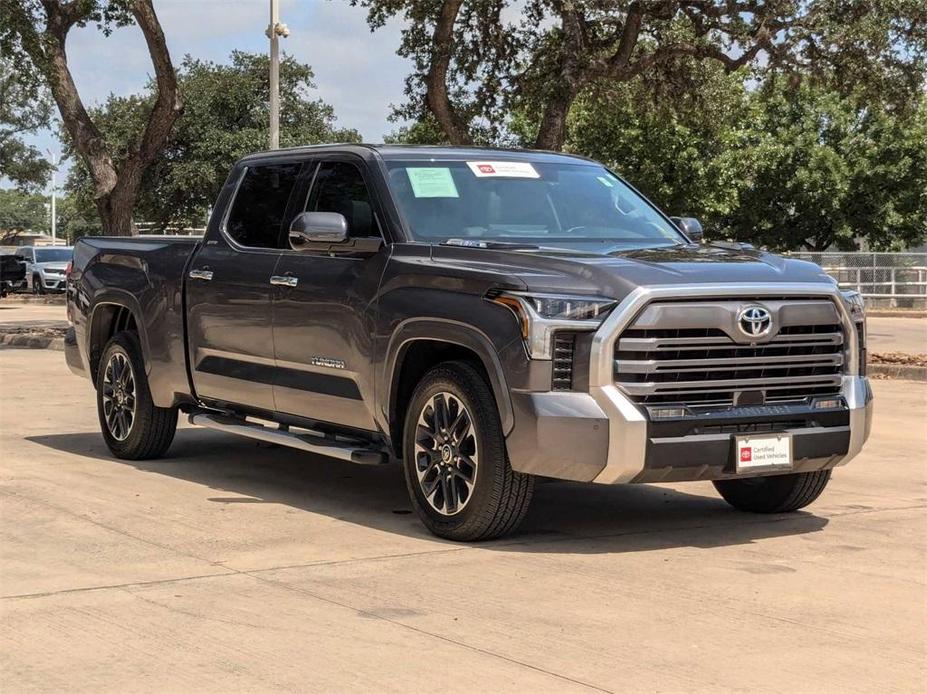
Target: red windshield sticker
503,169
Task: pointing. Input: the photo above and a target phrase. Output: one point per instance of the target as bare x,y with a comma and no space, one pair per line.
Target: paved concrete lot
12,311
888,334
236,566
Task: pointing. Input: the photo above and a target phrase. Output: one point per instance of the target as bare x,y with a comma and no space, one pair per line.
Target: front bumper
602,436
605,438
52,283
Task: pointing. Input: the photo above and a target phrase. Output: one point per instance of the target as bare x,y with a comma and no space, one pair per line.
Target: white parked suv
45,267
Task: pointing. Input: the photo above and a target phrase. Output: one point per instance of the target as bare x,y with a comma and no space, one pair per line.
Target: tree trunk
115,184
552,131
436,96
115,212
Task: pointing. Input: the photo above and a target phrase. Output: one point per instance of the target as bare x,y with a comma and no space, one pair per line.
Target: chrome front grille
694,353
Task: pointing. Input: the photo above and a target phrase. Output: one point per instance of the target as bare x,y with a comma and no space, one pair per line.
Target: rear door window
257,214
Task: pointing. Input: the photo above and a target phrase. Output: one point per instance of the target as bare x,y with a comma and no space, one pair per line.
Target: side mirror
317,227
691,227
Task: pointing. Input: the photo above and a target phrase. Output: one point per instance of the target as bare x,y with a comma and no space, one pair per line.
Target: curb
32,342
29,299
895,313
898,371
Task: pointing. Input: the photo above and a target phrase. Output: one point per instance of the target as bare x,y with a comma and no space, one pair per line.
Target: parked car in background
45,267
12,274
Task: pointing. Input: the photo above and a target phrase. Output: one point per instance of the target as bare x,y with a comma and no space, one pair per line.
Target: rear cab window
257,213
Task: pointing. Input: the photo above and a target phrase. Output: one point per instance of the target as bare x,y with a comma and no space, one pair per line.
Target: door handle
202,274
284,280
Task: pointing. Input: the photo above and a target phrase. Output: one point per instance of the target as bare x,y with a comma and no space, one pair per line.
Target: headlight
857,308
856,305
541,315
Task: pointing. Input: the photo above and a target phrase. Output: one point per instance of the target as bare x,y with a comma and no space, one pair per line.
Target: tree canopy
225,117
476,62
22,211
822,170
781,163
25,108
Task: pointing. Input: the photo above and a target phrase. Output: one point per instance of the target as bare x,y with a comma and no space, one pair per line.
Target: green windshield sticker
432,182
605,182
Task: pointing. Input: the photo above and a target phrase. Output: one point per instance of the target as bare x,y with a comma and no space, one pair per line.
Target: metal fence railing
884,279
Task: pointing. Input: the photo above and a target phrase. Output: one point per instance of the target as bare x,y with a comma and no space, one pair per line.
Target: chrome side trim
627,423
858,394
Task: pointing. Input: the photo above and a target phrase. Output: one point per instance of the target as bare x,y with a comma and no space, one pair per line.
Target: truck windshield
53,255
563,205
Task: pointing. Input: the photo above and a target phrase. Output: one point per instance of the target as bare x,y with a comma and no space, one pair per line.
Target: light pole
55,161
274,31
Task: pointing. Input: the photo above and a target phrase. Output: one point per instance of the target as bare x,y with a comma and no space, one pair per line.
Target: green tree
225,117
33,35
785,164
24,109
473,68
684,153
76,220
822,170
21,211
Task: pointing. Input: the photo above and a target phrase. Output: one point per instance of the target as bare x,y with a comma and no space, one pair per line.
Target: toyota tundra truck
485,318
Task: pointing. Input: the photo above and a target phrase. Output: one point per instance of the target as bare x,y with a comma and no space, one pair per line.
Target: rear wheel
458,475
133,427
777,494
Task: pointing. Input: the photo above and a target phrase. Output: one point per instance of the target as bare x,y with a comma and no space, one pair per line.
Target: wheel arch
420,344
109,316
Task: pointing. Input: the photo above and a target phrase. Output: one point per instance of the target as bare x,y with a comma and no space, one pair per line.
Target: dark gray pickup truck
487,318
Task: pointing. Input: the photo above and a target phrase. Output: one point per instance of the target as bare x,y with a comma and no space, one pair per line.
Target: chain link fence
886,280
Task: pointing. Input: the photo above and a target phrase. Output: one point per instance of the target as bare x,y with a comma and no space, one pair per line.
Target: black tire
499,498
37,286
777,494
150,430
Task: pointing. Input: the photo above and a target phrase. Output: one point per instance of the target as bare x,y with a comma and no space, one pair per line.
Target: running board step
343,449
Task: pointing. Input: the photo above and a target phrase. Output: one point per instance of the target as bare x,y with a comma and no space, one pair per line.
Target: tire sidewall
451,378
127,344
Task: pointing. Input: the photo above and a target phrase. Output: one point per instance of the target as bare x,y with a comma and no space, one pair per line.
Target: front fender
452,332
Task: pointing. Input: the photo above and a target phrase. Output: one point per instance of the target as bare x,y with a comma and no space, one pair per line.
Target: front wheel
776,494
457,472
133,427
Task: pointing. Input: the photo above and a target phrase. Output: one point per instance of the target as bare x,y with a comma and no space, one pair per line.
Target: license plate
763,452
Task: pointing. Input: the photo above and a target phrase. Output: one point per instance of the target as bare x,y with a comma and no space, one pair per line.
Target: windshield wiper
474,243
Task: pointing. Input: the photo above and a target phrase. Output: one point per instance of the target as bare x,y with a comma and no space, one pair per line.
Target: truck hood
615,275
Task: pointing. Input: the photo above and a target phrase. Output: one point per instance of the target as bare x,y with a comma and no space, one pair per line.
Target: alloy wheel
119,396
446,454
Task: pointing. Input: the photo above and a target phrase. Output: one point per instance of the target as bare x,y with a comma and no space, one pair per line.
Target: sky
356,71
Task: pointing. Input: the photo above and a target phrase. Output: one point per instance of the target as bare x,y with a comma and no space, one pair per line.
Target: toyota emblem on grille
754,321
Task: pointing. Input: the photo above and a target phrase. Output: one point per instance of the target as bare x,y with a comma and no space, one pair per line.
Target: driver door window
339,187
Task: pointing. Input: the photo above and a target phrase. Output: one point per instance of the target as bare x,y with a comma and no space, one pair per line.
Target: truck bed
145,273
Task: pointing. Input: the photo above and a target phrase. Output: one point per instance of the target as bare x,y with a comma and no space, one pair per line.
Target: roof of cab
423,152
